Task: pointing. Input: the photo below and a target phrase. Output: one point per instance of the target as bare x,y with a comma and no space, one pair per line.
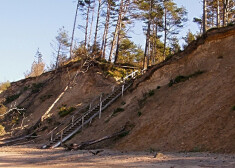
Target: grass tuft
233,108
181,78
196,149
45,97
151,93
4,85
64,110
139,113
36,87
2,130
124,134
117,110
123,103
12,98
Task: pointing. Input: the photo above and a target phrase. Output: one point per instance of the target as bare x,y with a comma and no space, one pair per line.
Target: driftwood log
14,141
83,145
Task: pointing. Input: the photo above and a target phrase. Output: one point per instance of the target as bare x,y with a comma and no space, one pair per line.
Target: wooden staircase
76,124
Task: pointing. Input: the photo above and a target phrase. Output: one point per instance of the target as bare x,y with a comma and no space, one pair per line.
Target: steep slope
194,114
40,95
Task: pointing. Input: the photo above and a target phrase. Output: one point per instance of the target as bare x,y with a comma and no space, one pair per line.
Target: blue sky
26,25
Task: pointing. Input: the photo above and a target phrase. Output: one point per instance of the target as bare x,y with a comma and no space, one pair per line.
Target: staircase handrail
78,119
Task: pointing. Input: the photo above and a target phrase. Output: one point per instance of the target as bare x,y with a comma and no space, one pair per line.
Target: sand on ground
28,156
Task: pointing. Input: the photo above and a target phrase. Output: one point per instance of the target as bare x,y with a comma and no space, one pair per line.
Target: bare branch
12,110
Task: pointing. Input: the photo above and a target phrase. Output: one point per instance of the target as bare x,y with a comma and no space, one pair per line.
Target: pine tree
174,19
97,25
37,67
79,2
61,47
189,38
109,4
151,13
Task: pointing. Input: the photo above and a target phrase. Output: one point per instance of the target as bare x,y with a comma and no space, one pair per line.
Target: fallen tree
83,145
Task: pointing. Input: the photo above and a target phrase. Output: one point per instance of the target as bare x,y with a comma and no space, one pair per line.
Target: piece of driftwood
83,145
13,141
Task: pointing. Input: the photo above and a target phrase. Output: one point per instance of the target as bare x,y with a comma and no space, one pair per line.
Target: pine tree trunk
218,14
226,12
105,35
204,16
116,31
165,33
87,22
74,25
150,52
91,26
155,43
145,65
97,25
147,44
117,48
58,57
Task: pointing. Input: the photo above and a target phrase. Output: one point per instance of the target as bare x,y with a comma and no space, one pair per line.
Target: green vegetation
151,93
12,98
117,110
64,110
231,24
125,133
189,38
233,108
196,149
142,101
36,87
139,113
15,120
117,72
3,109
123,103
25,88
4,85
2,130
45,97
181,78
151,150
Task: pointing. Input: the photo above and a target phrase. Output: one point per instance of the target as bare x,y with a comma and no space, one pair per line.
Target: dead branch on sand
92,142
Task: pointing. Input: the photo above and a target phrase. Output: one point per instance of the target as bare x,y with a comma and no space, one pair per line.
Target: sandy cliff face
38,94
194,115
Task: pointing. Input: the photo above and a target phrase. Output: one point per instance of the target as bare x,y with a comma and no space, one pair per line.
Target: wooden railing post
72,120
61,137
82,121
100,106
90,107
52,135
